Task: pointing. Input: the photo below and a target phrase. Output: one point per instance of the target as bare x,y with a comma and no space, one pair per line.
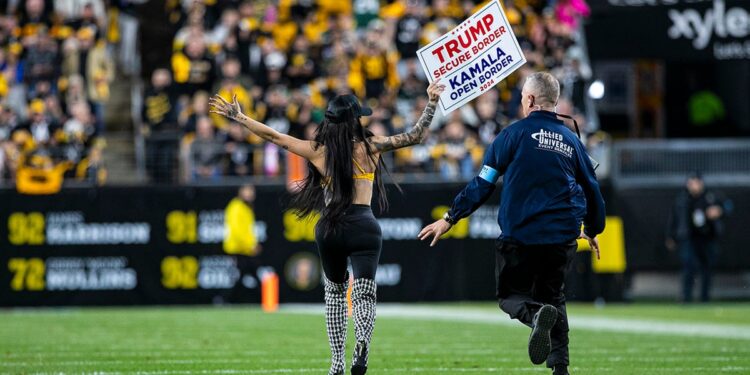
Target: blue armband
489,174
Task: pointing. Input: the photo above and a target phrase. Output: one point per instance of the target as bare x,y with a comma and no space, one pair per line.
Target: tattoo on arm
416,135
233,113
249,124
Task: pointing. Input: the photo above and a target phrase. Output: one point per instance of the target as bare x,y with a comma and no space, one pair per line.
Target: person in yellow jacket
239,220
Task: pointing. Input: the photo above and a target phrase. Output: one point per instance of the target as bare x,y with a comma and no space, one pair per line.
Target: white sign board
473,57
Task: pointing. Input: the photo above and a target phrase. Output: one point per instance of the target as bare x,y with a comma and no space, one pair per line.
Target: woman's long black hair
338,133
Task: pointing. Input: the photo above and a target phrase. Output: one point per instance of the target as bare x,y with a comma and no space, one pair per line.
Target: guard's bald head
544,87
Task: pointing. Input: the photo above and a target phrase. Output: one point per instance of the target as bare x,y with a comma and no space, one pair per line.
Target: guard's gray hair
544,87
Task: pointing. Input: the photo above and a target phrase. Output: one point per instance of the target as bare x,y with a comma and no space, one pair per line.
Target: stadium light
596,90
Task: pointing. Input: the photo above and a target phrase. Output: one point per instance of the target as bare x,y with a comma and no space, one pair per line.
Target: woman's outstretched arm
232,111
418,132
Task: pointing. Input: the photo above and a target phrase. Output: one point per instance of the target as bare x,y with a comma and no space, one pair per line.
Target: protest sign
473,57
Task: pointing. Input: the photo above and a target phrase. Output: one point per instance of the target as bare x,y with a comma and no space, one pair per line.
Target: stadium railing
662,163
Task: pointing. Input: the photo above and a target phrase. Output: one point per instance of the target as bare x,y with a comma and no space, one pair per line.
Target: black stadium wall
163,245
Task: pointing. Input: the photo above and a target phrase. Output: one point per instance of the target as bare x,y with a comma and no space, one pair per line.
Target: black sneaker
359,362
539,341
560,370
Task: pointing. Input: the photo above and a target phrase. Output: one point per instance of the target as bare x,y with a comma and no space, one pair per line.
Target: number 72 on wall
28,274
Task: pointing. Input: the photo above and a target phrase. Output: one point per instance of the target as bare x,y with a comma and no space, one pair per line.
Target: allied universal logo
551,141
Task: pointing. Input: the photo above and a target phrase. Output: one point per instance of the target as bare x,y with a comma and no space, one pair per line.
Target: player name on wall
473,57
149,245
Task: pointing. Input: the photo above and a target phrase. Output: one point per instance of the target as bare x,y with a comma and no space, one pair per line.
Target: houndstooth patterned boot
363,304
336,323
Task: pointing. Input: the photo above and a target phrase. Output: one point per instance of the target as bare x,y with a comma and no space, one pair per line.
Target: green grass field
409,339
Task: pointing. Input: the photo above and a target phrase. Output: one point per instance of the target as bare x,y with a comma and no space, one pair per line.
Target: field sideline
409,339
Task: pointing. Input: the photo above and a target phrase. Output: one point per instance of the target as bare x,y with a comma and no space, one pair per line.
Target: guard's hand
434,90
434,230
593,243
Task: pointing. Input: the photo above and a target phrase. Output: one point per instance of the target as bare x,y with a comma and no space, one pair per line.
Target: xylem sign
718,20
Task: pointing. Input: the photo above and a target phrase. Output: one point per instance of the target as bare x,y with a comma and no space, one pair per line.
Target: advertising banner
678,30
473,57
165,245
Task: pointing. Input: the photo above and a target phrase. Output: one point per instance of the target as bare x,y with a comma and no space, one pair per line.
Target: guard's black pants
529,277
357,237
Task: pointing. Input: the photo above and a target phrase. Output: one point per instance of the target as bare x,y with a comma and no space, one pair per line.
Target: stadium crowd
55,75
284,60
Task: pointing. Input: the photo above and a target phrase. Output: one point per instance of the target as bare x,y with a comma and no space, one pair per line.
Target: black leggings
357,237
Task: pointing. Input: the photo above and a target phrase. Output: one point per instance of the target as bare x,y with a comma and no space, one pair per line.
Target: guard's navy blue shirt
549,185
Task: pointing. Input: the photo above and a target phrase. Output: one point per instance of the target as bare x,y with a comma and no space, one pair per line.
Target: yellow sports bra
362,175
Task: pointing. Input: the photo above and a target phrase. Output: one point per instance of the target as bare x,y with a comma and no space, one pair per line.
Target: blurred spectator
159,107
302,112
91,169
240,151
196,109
574,84
300,66
79,125
159,127
40,61
694,226
229,20
413,86
39,125
565,107
7,123
99,74
274,62
193,68
89,10
457,152
373,68
76,92
123,30
231,86
277,116
491,118
205,151
409,30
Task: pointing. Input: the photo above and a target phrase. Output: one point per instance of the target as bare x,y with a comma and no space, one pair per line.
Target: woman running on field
343,166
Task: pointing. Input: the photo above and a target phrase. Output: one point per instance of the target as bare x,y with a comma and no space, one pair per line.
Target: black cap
343,105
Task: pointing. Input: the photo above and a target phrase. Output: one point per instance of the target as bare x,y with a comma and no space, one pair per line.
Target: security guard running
549,189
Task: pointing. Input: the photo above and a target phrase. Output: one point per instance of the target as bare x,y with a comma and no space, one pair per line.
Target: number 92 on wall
207,272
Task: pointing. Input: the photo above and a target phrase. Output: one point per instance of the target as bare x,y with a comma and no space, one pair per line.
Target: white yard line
194,372
429,370
649,326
